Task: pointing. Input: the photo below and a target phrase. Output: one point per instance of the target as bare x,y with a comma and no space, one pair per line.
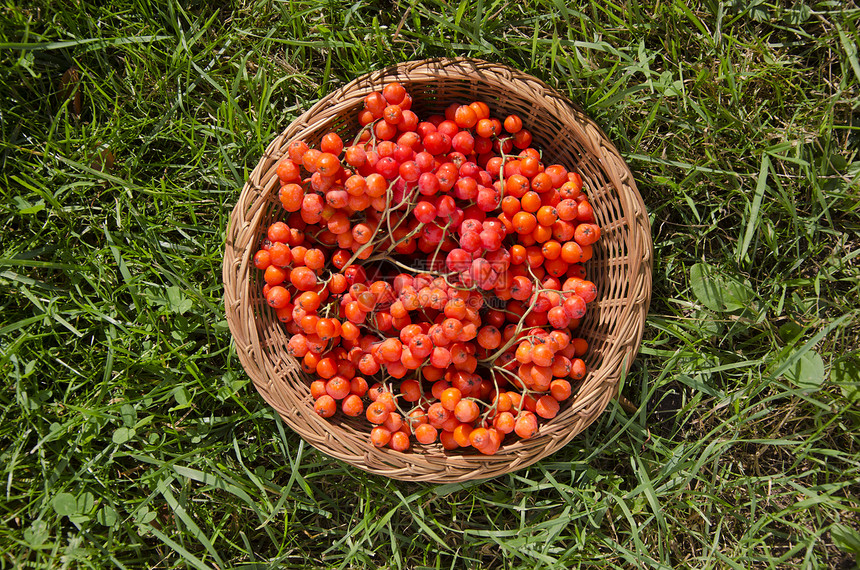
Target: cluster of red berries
431,279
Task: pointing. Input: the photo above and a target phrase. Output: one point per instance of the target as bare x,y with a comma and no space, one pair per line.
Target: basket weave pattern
621,266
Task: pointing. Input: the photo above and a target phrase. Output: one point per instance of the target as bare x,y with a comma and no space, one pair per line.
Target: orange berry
558,174
513,124
358,386
349,331
390,349
352,405
377,413
518,254
542,233
495,441
309,362
394,93
529,166
380,436
399,441
489,337
278,231
466,411
547,407
393,422
524,222
262,259
288,171
278,297
560,389
482,110
585,213
446,438
426,434
452,328
503,402
530,202
542,182
510,205
526,425
318,389
551,250
567,209
465,117
331,143
524,352
542,355
586,234
386,398
438,387
392,114
326,367
309,301
541,376
337,387
302,278
577,369
449,398
411,390
587,253
517,186
437,414
487,128
547,216
461,434
504,422
325,406
571,252
415,418
560,366
315,259
480,438
275,275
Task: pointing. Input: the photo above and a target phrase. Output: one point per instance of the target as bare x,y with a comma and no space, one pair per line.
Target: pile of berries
430,274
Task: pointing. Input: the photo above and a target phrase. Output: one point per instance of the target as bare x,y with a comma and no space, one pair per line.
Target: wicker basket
621,267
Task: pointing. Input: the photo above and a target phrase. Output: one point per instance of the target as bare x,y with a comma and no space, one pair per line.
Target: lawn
131,437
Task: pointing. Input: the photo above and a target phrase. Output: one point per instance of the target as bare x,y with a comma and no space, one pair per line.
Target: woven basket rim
630,276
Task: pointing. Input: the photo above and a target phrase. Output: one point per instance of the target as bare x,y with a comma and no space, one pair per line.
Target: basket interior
565,137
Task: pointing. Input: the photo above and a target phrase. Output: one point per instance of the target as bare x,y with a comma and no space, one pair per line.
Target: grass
130,436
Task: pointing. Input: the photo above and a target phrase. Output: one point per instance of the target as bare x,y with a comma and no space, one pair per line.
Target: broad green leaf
846,538
846,375
231,385
86,502
177,302
717,292
181,395
129,415
36,534
798,14
144,515
107,516
64,504
789,331
706,325
25,207
123,434
807,372
79,519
